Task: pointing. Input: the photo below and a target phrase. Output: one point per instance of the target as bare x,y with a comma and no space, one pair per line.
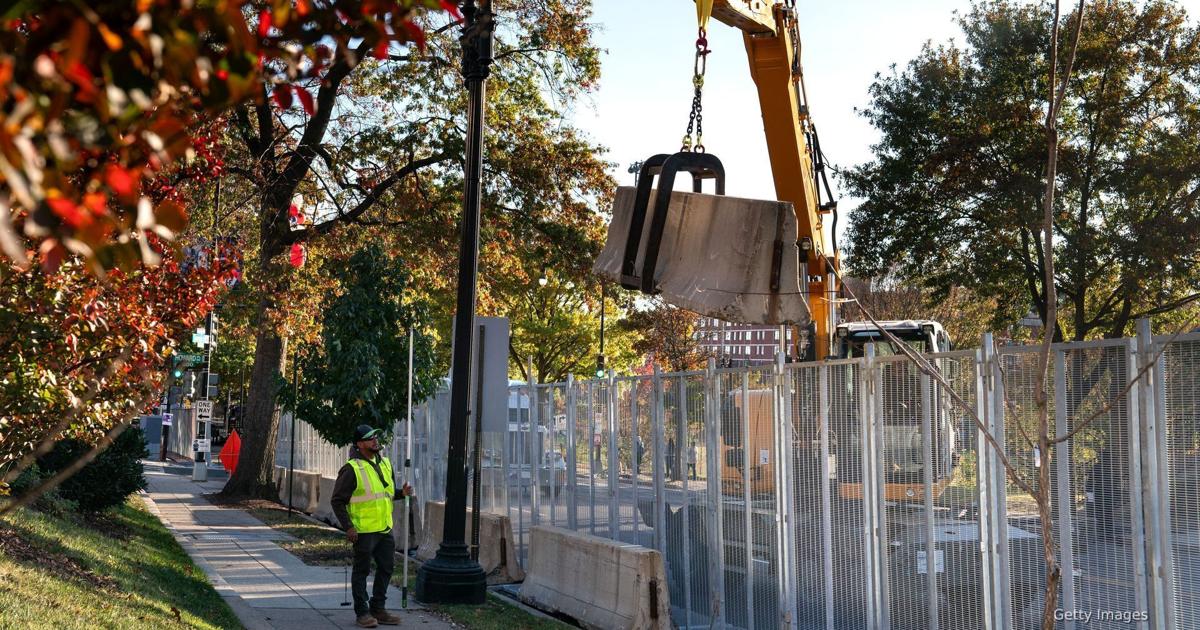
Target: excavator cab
923,336
903,441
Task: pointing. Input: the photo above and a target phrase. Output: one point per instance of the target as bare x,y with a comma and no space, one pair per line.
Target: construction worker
362,500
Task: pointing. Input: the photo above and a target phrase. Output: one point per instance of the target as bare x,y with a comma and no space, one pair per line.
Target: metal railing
858,493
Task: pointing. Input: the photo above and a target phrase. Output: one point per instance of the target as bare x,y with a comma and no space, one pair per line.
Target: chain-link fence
862,493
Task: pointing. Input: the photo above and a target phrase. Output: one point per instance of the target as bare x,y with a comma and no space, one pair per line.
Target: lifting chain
693,140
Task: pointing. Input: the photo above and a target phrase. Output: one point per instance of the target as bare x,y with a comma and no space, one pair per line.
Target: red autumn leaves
98,98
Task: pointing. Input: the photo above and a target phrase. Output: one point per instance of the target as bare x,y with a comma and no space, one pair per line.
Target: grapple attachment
725,257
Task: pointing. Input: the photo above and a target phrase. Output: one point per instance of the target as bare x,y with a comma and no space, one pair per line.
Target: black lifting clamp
702,166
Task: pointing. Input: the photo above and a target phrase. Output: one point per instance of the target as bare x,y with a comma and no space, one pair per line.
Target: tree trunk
254,477
256,464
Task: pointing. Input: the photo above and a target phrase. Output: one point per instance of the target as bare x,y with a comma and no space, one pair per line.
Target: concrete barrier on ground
601,583
306,488
497,553
324,510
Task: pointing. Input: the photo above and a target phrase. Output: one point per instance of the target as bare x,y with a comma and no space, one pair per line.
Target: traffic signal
177,373
600,366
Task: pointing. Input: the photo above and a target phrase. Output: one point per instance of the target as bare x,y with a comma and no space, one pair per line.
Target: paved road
267,587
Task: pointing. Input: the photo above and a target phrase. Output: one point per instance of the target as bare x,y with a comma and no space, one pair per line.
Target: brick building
741,344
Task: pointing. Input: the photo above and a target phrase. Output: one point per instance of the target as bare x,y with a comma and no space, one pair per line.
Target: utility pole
452,576
601,360
204,427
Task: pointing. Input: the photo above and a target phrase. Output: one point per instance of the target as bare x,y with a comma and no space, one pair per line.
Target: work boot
386,618
366,621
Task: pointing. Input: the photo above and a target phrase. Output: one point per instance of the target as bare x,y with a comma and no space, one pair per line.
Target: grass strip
316,544
495,614
119,569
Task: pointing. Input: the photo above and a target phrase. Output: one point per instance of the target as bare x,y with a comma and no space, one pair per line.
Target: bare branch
1183,328
924,366
368,201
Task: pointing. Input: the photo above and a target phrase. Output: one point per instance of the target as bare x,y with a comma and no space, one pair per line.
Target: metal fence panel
1180,377
813,494
860,493
1101,456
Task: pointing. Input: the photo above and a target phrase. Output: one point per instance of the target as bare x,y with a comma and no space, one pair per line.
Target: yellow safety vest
371,504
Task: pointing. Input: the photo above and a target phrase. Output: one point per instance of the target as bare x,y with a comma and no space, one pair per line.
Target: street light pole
452,577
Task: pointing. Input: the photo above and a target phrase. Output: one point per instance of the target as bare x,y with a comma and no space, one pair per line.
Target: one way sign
204,410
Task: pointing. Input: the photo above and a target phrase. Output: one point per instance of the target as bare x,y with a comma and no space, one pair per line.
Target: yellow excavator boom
768,30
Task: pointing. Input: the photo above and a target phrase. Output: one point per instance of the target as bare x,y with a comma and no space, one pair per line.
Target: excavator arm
772,46
744,260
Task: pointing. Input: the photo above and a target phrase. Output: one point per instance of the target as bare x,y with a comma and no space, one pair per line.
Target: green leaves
953,194
360,373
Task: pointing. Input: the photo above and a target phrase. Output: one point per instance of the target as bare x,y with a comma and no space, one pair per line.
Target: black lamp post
452,577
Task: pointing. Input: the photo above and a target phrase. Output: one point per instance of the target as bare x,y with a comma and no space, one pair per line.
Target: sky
645,93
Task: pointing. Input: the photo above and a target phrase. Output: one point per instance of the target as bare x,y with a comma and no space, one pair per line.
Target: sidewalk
267,587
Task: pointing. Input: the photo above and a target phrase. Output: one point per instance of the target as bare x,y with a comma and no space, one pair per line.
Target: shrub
51,502
109,479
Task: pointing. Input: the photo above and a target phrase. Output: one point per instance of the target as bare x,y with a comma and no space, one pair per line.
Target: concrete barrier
601,583
324,510
306,488
497,553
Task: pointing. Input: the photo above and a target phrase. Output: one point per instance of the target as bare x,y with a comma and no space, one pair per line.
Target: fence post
712,473
871,539
658,418
1065,498
507,453
593,454
880,498
683,473
999,431
614,529
1137,500
1154,485
824,417
785,508
535,450
550,448
931,551
1167,543
572,456
990,580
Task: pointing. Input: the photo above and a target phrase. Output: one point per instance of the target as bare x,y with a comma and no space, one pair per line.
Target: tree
96,98
668,337
954,193
361,373
380,153
964,315
556,325
82,355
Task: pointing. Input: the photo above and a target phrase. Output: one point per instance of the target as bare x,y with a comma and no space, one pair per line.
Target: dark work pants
381,548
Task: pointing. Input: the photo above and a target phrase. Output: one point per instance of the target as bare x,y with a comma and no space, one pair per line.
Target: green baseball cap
365,432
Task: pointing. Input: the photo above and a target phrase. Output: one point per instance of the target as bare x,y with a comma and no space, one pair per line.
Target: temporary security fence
860,493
